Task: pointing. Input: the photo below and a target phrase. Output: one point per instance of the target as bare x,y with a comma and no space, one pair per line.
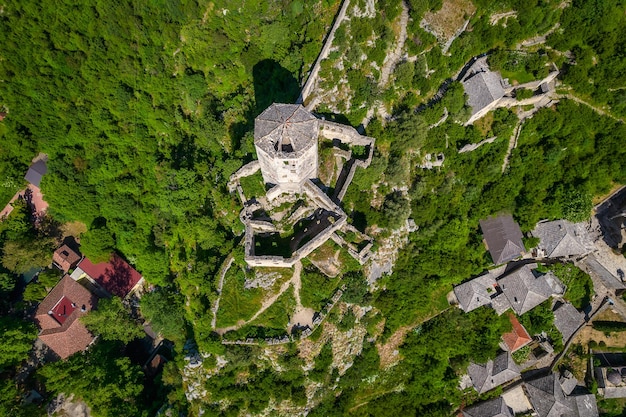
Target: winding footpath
294,280
220,285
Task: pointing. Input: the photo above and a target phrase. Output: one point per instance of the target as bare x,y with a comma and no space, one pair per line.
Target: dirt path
388,352
594,108
389,65
295,281
392,59
216,306
512,143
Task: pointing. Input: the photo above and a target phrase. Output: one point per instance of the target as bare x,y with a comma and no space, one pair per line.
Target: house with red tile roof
65,258
115,277
57,317
518,337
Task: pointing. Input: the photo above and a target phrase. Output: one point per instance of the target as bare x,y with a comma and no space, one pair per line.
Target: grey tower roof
525,291
561,238
567,319
475,293
503,237
494,373
285,129
36,171
492,408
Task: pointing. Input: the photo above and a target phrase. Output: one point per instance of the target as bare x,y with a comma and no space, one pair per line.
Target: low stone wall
245,171
346,134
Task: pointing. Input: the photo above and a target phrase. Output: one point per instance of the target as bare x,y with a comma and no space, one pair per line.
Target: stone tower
285,138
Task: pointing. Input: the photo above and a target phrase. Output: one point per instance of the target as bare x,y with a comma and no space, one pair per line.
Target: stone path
512,143
220,285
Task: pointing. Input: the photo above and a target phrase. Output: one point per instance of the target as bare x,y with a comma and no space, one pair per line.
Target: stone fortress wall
290,172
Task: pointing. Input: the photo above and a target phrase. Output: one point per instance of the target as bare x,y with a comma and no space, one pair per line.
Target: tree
163,308
16,341
107,381
97,244
22,256
112,321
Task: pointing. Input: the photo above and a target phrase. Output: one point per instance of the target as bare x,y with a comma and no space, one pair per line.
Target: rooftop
285,129
495,407
482,86
561,238
567,319
36,171
548,399
494,373
57,317
65,257
475,293
116,276
518,337
525,288
503,238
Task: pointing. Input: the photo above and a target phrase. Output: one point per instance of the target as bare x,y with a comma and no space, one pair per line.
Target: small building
115,277
503,238
65,258
484,88
36,172
567,319
548,399
477,292
495,407
611,381
57,317
561,238
494,373
518,337
526,288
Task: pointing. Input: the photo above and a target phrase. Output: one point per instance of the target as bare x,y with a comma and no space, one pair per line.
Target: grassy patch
253,185
579,284
236,302
317,289
278,315
484,124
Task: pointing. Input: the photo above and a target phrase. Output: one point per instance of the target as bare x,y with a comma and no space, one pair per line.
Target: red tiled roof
65,257
518,338
115,276
57,317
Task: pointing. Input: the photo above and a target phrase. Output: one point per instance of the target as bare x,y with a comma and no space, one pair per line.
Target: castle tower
285,138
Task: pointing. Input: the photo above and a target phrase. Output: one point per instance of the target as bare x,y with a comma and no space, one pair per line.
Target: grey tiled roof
286,128
475,293
494,373
492,408
567,319
562,238
482,88
35,172
503,237
524,290
608,279
548,399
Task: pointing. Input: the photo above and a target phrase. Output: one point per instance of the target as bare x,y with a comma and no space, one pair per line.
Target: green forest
146,108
